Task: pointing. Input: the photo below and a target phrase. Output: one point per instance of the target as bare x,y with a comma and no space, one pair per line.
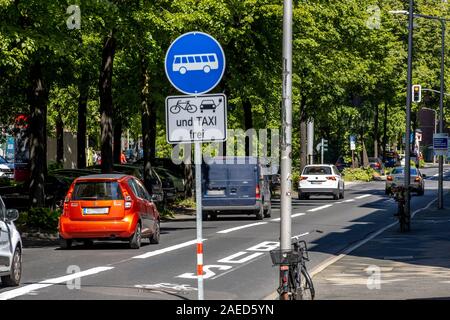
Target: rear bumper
318,190
75,229
231,209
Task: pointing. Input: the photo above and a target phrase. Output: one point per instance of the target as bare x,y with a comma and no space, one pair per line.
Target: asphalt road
236,252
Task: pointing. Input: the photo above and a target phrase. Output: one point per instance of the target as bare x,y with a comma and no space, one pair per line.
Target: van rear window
242,172
104,190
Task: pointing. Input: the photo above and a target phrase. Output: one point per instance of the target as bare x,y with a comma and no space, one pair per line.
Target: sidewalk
393,265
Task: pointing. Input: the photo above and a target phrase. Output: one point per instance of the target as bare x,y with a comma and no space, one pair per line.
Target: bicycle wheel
175,109
191,108
306,286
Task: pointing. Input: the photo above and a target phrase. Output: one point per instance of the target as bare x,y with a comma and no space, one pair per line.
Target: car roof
111,176
319,165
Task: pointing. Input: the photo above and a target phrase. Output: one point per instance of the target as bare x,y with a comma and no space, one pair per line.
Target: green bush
295,179
421,163
43,218
53,165
358,174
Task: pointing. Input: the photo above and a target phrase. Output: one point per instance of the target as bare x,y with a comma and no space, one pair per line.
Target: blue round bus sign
195,63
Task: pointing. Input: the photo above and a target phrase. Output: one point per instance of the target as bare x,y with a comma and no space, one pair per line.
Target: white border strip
168,249
242,227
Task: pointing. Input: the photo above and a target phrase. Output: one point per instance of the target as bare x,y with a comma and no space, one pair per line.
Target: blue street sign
195,63
440,142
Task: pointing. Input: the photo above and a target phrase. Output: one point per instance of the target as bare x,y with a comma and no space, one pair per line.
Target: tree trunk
59,138
106,103
248,122
385,120
117,141
145,122
152,131
37,97
375,132
83,88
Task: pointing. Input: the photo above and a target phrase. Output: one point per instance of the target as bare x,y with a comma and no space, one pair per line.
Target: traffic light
325,145
416,93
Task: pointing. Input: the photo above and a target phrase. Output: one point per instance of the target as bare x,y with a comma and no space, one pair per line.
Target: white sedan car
323,179
10,247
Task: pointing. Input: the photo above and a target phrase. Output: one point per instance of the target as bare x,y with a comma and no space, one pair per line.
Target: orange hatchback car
108,207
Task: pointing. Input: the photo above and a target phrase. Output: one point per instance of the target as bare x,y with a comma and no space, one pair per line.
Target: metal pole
198,200
408,107
286,138
310,135
321,151
441,121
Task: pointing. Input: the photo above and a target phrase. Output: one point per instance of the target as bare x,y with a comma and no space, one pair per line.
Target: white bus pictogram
195,62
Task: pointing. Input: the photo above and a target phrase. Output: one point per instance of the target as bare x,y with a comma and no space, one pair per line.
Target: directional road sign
196,118
195,63
440,144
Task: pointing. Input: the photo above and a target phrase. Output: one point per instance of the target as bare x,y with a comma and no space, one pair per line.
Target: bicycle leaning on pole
404,218
295,281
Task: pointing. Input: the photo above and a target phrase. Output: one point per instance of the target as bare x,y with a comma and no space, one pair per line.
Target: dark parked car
235,185
391,159
170,192
341,164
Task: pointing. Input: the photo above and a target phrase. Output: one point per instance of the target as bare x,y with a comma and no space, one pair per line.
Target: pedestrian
123,159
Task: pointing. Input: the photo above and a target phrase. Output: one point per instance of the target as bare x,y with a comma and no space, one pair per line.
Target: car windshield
319,170
413,171
102,190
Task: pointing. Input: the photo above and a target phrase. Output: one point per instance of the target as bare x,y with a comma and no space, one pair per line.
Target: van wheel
260,213
205,216
154,239
268,211
213,216
13,279
135,241
65,243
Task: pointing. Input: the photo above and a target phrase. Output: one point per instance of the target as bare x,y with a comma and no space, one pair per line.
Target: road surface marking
242,227
350,200
50,282
363,196
168,249
320,208
293,216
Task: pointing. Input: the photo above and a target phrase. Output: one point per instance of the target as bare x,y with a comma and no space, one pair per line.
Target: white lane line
363,196
298,215
320,208
168,249
293,216
350,200
436,175
50,282
242,227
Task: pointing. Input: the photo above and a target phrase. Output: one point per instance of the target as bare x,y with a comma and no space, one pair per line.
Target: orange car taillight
258,192
417,179
303,178
389,178
331,178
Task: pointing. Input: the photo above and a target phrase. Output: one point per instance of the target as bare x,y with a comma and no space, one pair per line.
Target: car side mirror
12,215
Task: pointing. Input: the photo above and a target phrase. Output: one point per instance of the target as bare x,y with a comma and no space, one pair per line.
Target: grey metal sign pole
310,144
198,200
286,136
408,108
441,121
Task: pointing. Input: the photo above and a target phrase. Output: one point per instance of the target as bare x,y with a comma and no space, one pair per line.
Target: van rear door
229,185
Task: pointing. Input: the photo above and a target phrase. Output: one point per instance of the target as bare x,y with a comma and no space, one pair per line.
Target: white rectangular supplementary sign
196,118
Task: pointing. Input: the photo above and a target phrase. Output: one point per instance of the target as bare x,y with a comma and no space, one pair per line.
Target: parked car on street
391,159
175,184
341,163
324,179
10,247
6,169
397,177
235,185
377,165
109,207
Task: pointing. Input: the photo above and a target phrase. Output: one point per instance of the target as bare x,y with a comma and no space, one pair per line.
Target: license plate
316,182
216,192
95,210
